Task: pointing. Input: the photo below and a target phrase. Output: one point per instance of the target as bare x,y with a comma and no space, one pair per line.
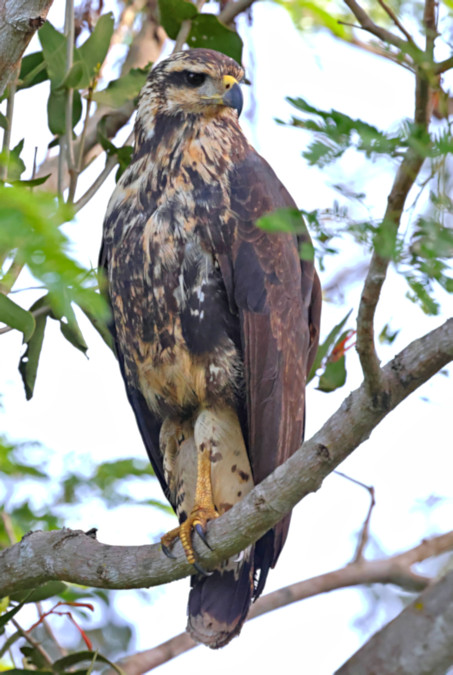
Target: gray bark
418,642
74,557
19,19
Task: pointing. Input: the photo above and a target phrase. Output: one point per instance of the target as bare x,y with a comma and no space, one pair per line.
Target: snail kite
215,321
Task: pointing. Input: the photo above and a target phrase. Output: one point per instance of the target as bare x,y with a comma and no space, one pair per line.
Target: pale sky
80,411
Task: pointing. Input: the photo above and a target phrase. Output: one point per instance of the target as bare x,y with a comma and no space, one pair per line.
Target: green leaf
28,364
72,659
387,336
3,121
173,13
30,226
334,375
54,49
76,77
47,590
385,239
124,89
33,657
9,643
32,182
100,324
16,317
32,70
4,618
95,48
282,220
14,164
421,296
327,346
208,32
25,671
56,110
335,133
70,328
306,14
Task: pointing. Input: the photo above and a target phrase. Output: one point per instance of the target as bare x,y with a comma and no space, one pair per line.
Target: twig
94,187
395,570
33,643
396,21
11,275
9,124
369,25
443,66
48,629
232,9
364,534
77,169
8,525
69,32
184,31
37,312
84,130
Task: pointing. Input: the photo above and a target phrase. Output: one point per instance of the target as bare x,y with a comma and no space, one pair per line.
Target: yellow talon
202,512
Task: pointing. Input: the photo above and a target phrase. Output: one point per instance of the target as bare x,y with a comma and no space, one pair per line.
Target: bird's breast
176,330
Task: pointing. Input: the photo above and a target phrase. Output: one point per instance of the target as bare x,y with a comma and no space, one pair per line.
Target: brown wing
278,299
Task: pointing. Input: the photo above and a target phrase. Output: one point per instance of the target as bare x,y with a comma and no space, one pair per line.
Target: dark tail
219,603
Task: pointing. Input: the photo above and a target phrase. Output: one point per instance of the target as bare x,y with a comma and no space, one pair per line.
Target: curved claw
201,533
201,570
167,552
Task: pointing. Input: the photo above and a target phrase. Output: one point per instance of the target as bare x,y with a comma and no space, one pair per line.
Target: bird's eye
195,79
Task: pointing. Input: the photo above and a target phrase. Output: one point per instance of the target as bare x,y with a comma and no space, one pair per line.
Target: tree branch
395,570
72,556
417,642
404,180
368,24
233,9
19,19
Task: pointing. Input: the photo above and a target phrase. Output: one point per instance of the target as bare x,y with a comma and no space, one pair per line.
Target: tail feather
219,603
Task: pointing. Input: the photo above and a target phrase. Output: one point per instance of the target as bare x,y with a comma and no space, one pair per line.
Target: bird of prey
215,320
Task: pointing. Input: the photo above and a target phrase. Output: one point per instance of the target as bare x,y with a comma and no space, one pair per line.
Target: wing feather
277,297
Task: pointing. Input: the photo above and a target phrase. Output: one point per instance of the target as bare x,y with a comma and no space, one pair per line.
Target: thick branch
71,556
417,642
19,19
395,570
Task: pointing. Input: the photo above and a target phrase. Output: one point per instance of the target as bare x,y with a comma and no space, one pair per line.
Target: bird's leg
203,509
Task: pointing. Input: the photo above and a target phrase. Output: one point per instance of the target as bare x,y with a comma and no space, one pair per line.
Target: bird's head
197,81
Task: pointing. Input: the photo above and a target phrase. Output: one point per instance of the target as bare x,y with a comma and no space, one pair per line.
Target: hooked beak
233,95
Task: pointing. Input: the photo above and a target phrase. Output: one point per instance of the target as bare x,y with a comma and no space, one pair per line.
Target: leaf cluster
206,30
31,236
425,259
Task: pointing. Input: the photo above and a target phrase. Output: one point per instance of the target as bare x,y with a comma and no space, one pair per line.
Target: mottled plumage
215,321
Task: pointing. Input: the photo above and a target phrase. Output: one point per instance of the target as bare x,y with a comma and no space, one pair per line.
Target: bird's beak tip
233,97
